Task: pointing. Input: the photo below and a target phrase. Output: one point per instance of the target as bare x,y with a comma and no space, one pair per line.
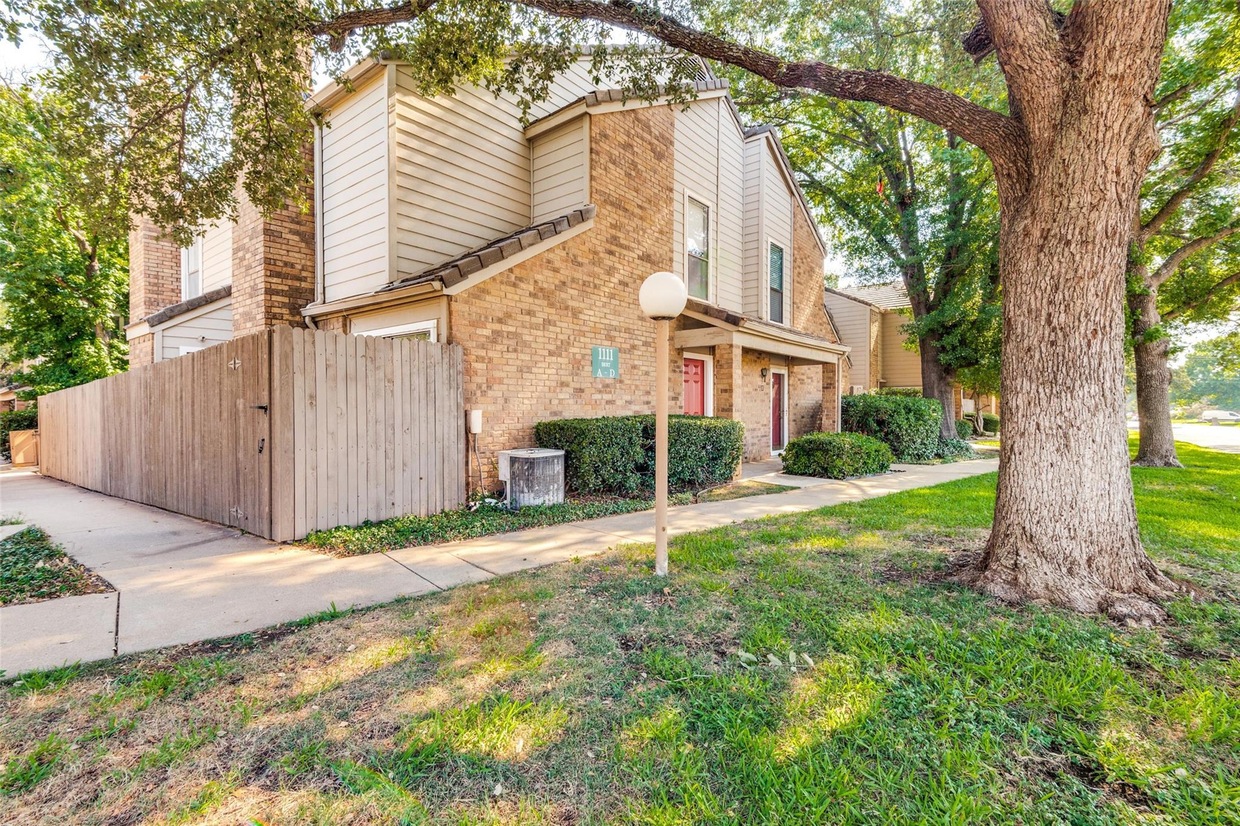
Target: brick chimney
273,264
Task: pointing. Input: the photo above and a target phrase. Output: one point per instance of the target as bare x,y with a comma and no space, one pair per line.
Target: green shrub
899,391
990,423
701,451
615,454
601,455
964,429
27,419
909,425
836,455
955,449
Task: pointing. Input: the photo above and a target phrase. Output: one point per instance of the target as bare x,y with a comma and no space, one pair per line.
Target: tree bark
936,383
1065,529
1157,443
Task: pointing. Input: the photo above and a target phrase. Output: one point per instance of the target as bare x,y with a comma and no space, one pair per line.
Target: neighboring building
449,219
870,321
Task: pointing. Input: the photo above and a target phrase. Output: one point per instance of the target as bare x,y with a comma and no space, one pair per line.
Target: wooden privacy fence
278,433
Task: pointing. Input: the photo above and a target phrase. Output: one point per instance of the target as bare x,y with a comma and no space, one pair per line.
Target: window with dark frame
697,249
777,284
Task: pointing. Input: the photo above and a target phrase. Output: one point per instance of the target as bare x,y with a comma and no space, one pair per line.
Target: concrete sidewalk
179,580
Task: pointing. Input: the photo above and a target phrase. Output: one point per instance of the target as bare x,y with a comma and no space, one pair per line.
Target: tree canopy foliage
63,250
907,200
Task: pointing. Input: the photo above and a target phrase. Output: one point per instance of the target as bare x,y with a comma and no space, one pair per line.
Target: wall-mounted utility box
532,476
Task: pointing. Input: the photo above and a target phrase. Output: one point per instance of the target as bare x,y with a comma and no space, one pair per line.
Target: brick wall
528,332
273,264
809,314
154,279
142,350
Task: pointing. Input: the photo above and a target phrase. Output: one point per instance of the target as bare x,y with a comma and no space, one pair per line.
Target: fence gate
278,433
189,435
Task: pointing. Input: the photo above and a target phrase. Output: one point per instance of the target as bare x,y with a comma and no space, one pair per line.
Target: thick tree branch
340,27
1177,258
997,135
1178,197
1025,36
1189,306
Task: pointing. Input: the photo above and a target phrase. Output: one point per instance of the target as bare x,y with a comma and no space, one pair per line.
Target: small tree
63,226
1184,262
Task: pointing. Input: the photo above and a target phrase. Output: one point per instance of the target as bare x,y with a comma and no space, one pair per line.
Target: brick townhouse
451,219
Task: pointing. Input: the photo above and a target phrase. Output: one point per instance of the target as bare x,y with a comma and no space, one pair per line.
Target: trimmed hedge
908,424
964,429
702,451
615,454
836,455
990,423
600,455
27,419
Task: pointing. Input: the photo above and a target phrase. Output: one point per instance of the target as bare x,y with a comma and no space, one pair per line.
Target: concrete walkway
179,580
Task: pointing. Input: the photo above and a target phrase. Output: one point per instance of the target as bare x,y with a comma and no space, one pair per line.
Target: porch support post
832,380
728,386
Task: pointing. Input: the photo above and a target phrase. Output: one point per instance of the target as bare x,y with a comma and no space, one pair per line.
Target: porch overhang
719,326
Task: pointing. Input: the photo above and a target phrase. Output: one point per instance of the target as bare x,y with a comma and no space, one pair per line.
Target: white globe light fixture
662,297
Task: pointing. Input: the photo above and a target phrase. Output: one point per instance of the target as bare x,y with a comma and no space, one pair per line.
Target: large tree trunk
936,383
1065,529
1157,443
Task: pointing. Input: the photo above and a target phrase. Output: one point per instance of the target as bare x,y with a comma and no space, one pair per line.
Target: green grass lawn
33,568
808,669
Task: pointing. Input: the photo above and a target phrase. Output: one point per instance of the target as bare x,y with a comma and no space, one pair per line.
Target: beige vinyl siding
560,179
217,256
461,173
777,226
852,322
210,327
730,245
901,367
695,175
754,256
354,194
708,168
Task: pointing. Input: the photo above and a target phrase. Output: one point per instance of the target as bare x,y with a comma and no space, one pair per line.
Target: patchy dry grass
870,691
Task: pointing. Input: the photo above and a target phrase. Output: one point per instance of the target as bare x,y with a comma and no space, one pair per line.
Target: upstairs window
777,283
191,270
697,249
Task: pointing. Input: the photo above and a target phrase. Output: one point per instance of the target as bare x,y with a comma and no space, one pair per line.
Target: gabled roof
458,269
892,296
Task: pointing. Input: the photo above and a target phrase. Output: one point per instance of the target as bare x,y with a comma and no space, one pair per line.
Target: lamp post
662,298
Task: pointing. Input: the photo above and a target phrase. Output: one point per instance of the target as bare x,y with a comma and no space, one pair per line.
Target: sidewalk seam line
116,626
410,570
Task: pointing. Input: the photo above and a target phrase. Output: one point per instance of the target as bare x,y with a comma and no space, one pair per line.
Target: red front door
777,411
695,387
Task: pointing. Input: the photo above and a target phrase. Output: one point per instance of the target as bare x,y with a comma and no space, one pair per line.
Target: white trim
320,285
711,243
185,253
708,379
783,371
397,330
576,108
137,330
785,311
